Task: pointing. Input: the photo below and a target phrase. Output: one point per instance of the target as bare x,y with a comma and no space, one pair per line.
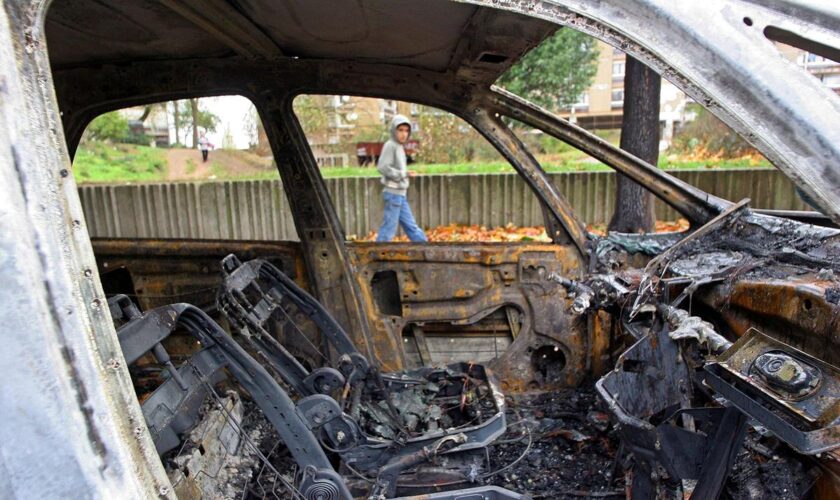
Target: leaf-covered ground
511,233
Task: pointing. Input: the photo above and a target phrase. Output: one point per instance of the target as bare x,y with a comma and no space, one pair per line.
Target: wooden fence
259,210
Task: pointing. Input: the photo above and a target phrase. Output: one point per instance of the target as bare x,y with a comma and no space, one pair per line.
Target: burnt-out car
704,344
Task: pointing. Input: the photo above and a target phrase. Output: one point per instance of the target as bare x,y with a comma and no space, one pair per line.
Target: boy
393,167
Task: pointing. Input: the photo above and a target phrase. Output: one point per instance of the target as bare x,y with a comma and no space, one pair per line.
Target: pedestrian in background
393,168
204,146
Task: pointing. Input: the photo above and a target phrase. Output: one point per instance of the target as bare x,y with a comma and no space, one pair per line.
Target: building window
582,102
618,69
617,98
808,60
414,109
831,81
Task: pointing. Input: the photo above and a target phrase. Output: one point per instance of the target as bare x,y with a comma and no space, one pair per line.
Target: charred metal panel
801,310
161,271
321,235
792,393
457,286
156,272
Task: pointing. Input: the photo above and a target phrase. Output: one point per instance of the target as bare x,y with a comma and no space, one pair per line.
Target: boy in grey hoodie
393,167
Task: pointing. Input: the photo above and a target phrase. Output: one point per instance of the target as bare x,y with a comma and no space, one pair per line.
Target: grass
219,172
99,162
676,164
191,166
551,164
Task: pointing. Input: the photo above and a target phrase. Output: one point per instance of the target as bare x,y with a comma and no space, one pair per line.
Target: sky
232,112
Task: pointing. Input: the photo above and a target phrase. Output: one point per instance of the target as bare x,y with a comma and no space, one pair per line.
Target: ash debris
573,448
234,453
573,453
767,469
272,468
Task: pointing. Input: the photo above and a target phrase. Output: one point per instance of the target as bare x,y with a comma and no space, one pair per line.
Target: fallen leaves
476,233
509,233
661,227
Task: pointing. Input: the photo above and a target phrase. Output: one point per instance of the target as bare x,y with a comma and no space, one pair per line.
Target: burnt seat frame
173,407
252,292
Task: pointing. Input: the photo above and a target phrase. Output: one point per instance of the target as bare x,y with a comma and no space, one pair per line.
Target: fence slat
259,209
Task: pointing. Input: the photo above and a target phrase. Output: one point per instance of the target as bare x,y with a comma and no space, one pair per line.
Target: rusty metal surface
795,309
159,272
458,284
792,394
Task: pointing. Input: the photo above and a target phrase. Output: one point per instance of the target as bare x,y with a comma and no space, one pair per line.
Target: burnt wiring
518,459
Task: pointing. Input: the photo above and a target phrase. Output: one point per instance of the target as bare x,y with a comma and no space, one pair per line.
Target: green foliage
551,145
139,138
370,134
672,163
108,127
311,111
572,161
445,138
101,162
207,120
555,73
708,137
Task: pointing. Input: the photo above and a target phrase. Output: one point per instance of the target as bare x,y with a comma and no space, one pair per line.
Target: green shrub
108,127
708,137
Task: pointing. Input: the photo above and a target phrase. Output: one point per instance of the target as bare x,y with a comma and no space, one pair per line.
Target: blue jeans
396,212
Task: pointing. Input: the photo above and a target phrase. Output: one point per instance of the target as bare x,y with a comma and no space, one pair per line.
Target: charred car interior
702,364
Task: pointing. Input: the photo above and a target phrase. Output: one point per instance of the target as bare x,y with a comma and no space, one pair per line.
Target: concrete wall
259,210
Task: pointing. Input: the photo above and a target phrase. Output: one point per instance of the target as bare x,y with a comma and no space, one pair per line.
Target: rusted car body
66,62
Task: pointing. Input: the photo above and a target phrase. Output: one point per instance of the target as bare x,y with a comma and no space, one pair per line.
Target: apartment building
825,70
351,118
601,106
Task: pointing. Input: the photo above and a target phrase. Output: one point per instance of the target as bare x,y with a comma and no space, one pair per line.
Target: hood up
396,122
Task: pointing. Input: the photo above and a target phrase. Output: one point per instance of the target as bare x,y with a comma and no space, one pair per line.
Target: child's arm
386,164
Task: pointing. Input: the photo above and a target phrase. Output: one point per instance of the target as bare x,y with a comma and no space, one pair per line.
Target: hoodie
392,164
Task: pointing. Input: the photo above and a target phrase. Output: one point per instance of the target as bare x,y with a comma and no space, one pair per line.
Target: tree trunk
147,110
194,111
639,136
177,120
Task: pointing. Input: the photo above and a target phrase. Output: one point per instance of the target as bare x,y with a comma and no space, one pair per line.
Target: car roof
476,43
